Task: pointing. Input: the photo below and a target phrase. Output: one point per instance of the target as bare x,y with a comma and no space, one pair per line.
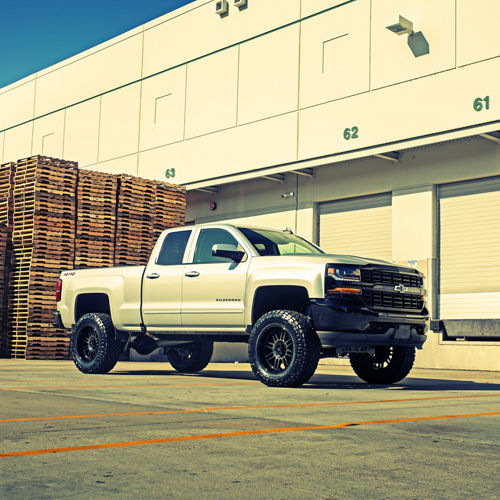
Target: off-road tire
192,357
94,347
389,365
283,349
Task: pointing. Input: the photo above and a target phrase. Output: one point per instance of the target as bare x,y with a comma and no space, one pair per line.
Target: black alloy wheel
192,357
388,365
283,349
94,346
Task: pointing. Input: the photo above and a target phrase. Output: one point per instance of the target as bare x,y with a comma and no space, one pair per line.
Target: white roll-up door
469,250
357,226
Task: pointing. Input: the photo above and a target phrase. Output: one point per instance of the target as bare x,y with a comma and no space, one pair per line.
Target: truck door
213,288
162,284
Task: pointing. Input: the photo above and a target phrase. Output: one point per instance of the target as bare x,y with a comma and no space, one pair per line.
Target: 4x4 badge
401,288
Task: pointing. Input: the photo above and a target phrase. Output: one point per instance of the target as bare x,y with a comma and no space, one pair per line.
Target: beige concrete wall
276,83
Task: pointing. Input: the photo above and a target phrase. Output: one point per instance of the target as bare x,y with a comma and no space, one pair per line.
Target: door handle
192,274
153,276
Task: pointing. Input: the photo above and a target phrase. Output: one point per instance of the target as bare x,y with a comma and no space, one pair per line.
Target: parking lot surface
145,430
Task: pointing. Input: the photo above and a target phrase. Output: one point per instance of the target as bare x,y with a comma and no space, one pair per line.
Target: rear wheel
388,365
94,347
192,357
283,349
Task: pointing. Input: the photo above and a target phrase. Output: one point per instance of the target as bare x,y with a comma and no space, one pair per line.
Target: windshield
269,242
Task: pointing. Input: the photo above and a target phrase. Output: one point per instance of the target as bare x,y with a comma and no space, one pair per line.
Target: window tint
172,250
269,242
207,239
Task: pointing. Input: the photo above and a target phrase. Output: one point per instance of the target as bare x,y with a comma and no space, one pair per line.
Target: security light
416,41
418,44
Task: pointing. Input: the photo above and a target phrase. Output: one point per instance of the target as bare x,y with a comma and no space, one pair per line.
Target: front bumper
347,324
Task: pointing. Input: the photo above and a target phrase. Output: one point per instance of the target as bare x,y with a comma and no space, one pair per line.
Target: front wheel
192,357
388,365
283,349
94,347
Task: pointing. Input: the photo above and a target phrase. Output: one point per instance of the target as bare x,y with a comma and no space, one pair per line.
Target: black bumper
347,324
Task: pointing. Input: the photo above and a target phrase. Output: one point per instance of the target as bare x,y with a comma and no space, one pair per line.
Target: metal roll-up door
469,250
357,226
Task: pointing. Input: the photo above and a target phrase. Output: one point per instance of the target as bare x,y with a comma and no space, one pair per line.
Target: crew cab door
213,288
162,284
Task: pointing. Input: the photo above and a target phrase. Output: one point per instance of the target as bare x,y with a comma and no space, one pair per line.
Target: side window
172,250
207,239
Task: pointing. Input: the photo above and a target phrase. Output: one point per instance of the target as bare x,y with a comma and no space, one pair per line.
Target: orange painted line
250,382
241,433
255,407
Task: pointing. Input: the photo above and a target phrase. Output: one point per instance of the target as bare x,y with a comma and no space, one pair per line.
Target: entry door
213,288
162,284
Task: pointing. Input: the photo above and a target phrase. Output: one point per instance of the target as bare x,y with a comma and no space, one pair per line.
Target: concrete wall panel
211,93
335,52
442,102
16,104
48,135
392,61
101,71
17,142
162,109
477,30
119,125
81,132
171,43
240,149
268,75
310,7
123,165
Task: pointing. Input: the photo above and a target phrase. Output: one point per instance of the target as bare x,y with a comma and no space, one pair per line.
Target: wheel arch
91,303
272,297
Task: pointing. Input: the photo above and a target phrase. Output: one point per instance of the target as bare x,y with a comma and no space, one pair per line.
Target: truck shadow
339,382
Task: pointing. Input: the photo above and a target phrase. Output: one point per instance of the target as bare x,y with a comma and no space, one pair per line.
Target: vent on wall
241,4
221,8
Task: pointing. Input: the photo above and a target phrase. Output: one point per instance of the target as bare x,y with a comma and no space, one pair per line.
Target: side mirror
228,252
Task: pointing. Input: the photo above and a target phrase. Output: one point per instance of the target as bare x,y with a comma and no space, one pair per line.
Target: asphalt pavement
147,431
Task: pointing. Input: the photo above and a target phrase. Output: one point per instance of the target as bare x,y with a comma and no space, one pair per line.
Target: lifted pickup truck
290,301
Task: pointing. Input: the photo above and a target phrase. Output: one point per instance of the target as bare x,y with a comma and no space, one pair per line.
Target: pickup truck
284,296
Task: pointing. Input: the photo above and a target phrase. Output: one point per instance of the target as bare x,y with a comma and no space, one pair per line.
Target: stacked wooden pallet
43,244
134,220
169,207
6,173
96,219
55,217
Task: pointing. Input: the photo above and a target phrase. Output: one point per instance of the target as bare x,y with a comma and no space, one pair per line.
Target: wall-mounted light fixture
291,194
416,41
241,4
222,8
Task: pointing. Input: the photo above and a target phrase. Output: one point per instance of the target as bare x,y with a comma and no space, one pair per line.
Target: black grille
380,277
388,300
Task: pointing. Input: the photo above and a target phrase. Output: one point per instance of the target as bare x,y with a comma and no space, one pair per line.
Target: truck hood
337,259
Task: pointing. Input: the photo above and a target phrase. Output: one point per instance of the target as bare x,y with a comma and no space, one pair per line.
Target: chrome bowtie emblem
400,288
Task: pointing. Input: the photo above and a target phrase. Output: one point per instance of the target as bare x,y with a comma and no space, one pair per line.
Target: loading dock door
357,226
469,250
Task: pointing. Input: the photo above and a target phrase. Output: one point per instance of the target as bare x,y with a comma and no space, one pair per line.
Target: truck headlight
342,278
351,274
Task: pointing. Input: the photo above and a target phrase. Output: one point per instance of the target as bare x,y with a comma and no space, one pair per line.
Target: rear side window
173,248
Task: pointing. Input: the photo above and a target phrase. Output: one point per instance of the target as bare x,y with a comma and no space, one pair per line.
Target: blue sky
35,34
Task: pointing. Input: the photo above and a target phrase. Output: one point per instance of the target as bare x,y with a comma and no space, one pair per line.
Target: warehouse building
370,127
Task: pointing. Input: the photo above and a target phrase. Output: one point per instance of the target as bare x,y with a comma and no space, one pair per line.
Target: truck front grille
395,301
381,277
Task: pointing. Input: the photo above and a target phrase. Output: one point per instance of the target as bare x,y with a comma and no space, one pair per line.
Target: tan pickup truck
290,301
